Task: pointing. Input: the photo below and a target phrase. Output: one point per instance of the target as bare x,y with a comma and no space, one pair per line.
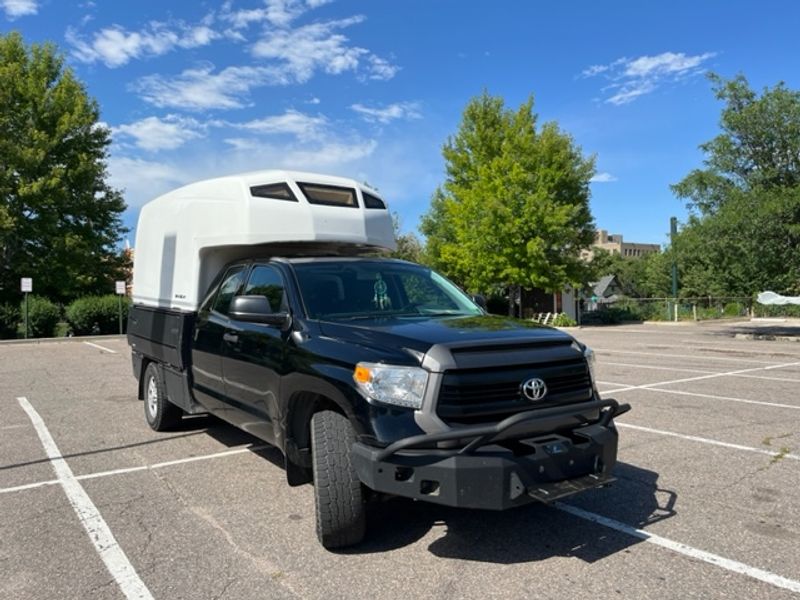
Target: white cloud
635,77
380,69
201,88
115,46
286,56
142,180
328,155
278,13
304,50
388,113
665,64
292,122
594,70
603,178
155,134
19,8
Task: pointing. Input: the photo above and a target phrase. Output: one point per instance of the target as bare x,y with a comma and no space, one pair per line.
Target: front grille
488,395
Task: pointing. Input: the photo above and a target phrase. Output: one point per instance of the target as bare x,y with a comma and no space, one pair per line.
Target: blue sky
371,90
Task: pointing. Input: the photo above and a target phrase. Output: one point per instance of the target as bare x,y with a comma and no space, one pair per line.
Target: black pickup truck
379,376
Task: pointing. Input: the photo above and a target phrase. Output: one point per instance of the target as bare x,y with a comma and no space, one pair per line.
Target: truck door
253,358
207,345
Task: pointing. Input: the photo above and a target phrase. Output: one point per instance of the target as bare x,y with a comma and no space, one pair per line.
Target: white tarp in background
773,298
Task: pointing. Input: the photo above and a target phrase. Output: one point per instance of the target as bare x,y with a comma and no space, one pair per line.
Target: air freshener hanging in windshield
381,299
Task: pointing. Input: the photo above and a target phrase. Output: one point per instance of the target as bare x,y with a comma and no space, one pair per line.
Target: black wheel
338,496
161,414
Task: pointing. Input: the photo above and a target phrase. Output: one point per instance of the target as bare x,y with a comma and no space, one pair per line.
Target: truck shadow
526,534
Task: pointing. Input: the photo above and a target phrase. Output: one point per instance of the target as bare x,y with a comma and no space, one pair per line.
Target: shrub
43,316
97,314
9,321
564,320
734,309
610,316
771,310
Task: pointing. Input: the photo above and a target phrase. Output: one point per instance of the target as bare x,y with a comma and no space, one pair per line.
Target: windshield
371,289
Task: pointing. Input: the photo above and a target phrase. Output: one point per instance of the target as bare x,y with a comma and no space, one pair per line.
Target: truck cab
372,375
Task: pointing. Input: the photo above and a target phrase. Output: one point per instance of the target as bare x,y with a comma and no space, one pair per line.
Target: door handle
231,338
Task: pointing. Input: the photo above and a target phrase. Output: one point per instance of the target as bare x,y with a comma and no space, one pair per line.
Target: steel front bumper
479,473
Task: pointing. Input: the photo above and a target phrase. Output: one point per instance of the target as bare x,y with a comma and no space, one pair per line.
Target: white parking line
703,440
652,367
99,347
714,559
698,378
684,369
684,357
161,465
689,344
132,586
104,542
711,396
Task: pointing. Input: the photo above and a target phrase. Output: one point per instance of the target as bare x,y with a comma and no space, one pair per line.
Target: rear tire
160,413
338,495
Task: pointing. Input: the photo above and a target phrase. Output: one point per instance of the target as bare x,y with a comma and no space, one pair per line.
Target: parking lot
707,504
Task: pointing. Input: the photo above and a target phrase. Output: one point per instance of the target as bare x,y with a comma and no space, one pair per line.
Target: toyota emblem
534,389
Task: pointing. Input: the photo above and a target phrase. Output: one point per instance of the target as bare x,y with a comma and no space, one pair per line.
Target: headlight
588,353
401,386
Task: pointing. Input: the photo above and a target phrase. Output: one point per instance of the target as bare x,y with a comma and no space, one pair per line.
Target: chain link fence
674,309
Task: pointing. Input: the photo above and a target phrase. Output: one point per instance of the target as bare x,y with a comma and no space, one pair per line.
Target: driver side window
227,290
267,281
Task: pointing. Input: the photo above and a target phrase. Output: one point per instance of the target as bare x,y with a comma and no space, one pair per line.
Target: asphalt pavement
707,504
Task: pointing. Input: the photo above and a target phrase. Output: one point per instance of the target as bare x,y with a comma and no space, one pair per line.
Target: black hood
421,333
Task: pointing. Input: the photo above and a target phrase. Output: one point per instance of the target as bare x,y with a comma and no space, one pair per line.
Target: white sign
26,284
121,287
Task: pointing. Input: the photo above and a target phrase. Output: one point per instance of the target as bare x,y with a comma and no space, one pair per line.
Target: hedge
43,316
10,317
97,314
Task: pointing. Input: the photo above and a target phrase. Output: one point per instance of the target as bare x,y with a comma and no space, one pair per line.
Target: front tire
338,495
160,413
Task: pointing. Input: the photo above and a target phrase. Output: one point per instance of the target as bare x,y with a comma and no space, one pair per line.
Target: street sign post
121,291
26,285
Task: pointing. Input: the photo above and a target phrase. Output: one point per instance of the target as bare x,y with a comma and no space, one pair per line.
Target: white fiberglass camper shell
186,236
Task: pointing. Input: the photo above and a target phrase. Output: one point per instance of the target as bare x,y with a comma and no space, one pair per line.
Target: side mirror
257,309
480,300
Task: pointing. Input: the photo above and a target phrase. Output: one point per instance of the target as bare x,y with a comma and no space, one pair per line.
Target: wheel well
303,406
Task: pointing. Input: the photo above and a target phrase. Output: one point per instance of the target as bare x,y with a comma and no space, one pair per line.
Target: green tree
743,235
758,147
630,272
408,245
514,207
59,219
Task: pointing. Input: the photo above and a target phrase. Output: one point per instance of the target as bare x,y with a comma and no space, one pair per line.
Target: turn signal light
362,374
